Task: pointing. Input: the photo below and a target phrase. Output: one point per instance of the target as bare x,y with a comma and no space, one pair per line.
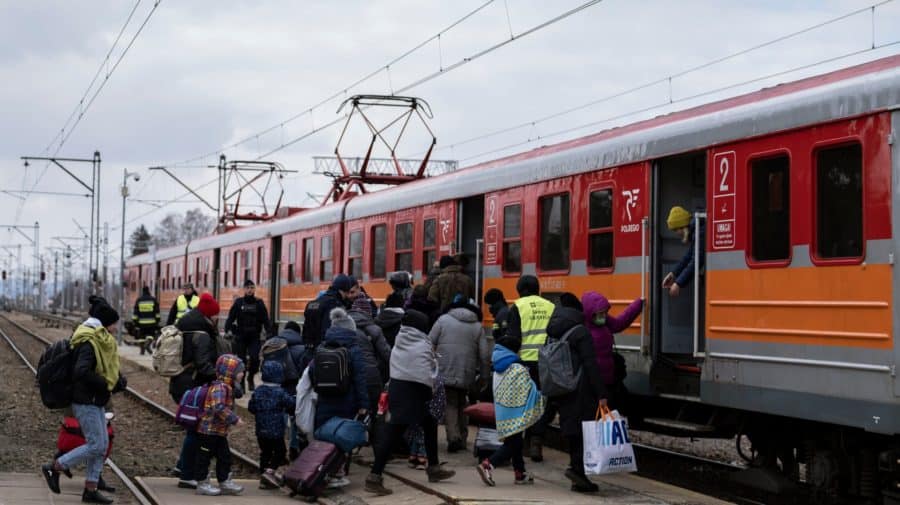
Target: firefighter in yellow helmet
146,317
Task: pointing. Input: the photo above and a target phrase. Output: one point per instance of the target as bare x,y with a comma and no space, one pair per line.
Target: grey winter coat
378,346
412,358
457,336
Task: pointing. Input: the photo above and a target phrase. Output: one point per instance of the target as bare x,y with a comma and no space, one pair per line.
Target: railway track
678,468
141,495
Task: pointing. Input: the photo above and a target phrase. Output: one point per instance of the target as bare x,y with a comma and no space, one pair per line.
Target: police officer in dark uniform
246,319
146,318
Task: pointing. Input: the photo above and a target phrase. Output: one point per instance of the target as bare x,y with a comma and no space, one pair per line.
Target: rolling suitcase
308,474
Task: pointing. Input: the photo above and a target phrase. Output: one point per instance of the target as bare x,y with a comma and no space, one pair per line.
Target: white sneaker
231,487
338,482
206,488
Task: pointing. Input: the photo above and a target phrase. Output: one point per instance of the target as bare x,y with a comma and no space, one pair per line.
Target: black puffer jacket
378,346
389,322
199,349
581,404
89,387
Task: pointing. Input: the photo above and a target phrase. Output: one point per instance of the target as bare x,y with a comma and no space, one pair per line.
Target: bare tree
176,229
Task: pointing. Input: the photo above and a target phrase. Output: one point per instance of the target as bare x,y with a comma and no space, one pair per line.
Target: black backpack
332,370
54,375
312,322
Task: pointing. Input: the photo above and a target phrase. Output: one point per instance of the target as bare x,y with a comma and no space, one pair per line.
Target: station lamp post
125,176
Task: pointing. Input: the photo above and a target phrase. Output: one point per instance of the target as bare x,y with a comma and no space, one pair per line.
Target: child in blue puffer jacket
269,404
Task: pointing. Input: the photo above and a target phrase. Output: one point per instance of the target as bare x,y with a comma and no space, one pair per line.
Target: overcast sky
205,74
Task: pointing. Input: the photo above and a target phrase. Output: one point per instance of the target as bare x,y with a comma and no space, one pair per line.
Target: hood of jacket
362,319
228,366
463,314
391,315
341,336
592,302
291,337
503,358
562,319
273,372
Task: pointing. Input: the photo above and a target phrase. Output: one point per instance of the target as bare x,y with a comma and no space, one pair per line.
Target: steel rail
129,483
247,460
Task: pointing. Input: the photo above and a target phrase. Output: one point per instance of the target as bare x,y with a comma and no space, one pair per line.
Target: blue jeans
93,453
187,460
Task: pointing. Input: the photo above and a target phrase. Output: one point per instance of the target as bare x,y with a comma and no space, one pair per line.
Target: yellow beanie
678,218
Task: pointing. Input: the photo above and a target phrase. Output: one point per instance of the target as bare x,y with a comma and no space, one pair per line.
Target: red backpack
190,408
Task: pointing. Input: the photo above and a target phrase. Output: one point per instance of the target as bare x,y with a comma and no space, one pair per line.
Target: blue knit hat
272,371
343,282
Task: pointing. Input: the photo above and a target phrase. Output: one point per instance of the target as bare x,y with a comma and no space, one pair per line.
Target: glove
121,384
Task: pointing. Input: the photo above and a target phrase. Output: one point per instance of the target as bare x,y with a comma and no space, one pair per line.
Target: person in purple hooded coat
603,326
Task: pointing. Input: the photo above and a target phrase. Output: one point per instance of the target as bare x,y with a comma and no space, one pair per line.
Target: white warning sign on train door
724,201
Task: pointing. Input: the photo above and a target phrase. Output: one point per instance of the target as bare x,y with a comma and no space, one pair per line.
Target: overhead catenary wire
84,108
443,71
665,79
668,102
338,94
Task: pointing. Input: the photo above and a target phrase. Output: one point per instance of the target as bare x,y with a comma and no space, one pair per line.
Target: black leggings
383,449
511,448
213,446
271,453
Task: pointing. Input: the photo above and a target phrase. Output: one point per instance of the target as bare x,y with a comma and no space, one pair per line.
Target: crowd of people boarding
359,373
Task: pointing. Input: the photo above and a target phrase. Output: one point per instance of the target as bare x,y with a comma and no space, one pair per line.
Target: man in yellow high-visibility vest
526,333
186,301
146,317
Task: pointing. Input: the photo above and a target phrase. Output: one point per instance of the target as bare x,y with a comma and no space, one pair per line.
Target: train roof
845,93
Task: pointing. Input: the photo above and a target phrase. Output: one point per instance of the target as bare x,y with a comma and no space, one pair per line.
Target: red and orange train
787,334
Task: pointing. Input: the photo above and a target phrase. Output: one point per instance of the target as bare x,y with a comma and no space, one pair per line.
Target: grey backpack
555,367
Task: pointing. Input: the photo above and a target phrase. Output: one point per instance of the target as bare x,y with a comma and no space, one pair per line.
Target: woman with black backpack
95,375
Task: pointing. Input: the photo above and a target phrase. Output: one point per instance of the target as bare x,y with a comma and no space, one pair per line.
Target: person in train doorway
186,301
499,309
343,290
450,283
146,317
526,333
680,221
246,320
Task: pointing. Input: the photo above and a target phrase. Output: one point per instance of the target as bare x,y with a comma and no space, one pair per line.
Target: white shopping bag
305,413
607,447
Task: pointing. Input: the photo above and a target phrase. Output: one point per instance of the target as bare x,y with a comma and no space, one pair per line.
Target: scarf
106,351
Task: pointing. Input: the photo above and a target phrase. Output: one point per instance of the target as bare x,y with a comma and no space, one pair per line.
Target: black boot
103,486
94,496
52,477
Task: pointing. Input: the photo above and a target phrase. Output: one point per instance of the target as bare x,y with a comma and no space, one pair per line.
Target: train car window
600,229
555,232
512,238
234,272
403,247
839,202
308,244
771,209
429,244
379,251
292,259
327,262
356,250
248,265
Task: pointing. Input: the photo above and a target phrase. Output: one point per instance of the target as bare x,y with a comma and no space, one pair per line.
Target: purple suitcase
308,474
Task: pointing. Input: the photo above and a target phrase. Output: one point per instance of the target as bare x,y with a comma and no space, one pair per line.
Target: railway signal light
4,275
43,276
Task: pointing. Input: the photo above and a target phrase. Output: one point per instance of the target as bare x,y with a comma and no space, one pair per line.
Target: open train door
677,320
470,221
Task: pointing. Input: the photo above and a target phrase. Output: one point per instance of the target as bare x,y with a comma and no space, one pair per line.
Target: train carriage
787,333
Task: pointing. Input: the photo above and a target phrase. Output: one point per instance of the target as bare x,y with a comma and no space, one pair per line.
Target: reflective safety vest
183,305
146,313
534,314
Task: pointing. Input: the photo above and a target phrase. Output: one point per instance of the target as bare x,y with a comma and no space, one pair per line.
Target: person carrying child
269,404
212,432
517,405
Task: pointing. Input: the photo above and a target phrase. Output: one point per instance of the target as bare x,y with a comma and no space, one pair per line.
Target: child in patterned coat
212,431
